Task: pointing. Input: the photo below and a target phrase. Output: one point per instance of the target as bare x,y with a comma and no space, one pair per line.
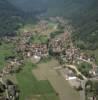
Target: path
78,72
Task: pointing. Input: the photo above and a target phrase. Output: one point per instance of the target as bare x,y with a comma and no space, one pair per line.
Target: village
60,47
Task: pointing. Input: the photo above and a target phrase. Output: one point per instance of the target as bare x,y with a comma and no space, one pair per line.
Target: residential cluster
12,66
8,90
60,47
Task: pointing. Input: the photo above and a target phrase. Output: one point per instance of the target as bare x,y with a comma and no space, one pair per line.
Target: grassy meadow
5,51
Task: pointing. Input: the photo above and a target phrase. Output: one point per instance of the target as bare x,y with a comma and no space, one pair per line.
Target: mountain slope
83,13
30,5
10,18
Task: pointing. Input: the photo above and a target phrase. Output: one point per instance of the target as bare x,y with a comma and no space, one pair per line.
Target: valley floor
46,71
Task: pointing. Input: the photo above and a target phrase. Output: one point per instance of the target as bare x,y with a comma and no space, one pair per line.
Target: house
92,98
21,47
56,45
12,66
69,74
27,34
72,54
71,77
12,92
40,50
84,56
8,90
94,71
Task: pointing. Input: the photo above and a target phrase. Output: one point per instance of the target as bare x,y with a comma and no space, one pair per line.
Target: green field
5,51
30,87
39,39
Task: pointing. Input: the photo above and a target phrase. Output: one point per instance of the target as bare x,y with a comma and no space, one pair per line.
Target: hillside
84,17
9,18
82,13
32,6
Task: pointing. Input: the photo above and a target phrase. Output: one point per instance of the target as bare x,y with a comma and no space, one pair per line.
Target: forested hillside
84,17
32,6
9,18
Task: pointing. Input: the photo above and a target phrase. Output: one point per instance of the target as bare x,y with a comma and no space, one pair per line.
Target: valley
42,53
48,50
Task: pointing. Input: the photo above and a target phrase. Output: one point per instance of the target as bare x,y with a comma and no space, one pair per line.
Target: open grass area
39,39
26,28
30,86
5,51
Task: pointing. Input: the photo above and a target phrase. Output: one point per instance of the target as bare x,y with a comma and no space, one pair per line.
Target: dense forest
82,13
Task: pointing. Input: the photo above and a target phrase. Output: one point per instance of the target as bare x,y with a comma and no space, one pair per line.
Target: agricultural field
46,71
48,30
33,88
41,82
6,50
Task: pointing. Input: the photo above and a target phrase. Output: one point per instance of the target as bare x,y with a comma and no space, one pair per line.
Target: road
78,72
82,93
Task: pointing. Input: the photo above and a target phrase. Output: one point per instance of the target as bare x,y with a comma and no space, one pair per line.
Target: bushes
87,41
84,68
91,89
